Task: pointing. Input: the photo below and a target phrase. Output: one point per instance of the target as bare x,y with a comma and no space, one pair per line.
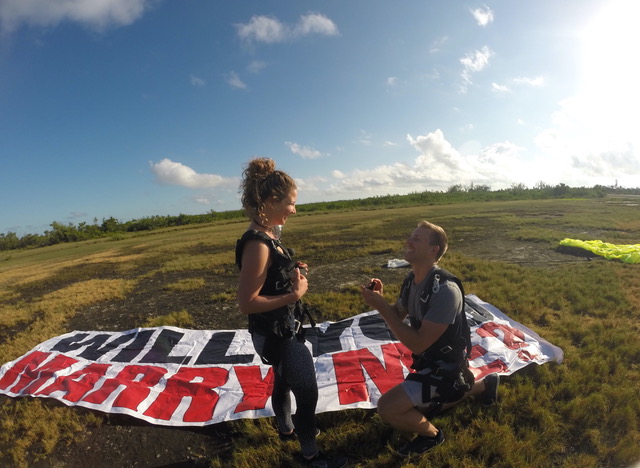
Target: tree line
61,233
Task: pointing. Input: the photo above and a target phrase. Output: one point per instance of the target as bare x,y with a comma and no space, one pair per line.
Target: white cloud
477,60
392,81
201,200
197,81
468,127
596,140
596,128
536,82
97,15
234,81
306,152
256,66
262,29
483,16
365,137
308,187
168,172
499,154
271,30
498,88
437,44
474,62
608,165
437,167
437,155
315,23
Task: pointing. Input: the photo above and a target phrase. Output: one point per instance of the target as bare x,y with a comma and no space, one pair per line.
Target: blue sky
135,108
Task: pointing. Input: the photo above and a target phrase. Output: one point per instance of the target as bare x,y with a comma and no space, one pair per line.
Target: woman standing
269,292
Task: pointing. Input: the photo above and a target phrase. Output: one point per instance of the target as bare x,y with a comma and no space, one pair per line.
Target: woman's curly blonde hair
261,182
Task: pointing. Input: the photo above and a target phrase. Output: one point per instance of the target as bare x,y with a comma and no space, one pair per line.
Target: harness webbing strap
286,321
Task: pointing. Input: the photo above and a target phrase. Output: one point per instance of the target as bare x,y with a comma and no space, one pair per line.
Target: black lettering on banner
374,327
94,346
165,342
328,341
131,352
94,352
70,344
215,351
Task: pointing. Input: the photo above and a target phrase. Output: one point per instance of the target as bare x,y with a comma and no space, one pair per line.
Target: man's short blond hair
437,237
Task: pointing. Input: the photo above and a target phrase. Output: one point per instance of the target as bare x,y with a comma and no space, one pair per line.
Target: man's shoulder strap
460,326
436,278
406,286
439,276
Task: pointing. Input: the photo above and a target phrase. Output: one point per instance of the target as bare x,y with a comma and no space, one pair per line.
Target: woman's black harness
284,322
448,358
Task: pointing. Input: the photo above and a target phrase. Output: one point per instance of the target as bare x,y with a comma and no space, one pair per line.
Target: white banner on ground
179,377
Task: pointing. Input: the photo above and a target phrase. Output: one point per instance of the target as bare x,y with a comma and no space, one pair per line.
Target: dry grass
187,284
581,413
49,314
181,319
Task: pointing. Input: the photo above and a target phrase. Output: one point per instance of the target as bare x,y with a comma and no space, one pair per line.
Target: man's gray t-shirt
443,308
444,304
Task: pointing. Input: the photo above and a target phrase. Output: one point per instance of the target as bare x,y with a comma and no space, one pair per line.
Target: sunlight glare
610,75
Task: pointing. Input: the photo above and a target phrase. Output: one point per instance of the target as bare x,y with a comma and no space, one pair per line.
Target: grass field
582,413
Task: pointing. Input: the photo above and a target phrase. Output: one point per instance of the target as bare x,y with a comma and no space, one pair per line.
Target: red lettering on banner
526,356
137,379
31,361
350,377
481,372
30,373
512,337
65,369
78,384
497,366
476,352
184,384
255,390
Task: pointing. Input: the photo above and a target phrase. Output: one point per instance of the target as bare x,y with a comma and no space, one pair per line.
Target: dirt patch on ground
124,442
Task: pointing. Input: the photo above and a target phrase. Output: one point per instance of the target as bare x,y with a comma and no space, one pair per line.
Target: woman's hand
299,282
304,268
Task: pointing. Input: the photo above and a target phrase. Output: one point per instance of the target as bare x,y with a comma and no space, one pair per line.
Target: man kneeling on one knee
438,337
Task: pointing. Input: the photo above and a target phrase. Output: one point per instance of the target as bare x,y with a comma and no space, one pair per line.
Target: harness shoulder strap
438,277
460,327
252,234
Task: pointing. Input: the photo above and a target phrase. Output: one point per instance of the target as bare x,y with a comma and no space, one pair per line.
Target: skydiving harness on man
447,360
285,322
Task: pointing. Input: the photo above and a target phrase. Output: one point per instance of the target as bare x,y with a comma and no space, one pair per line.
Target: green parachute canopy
626,253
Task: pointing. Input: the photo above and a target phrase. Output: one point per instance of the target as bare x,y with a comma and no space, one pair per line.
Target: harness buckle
446,349
436,283
296,326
